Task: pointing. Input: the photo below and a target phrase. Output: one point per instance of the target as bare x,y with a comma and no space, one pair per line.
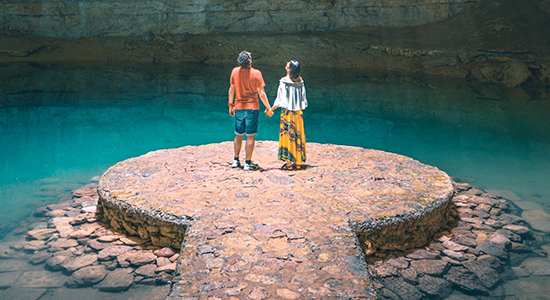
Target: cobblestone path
272,233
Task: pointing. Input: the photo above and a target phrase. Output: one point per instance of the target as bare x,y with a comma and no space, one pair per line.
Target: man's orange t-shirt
246,82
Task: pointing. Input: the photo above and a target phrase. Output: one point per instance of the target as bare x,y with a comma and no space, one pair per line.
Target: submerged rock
461,277
87,276
487,275
80,262
118,280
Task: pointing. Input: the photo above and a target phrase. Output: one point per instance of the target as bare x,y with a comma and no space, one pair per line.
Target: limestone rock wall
545,5
100,18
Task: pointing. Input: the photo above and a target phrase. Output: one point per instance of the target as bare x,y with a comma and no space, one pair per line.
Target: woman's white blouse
291,95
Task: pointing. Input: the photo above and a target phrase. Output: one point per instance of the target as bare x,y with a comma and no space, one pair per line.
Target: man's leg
249,148
237,144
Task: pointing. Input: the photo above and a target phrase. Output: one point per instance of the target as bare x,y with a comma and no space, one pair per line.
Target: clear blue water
62,126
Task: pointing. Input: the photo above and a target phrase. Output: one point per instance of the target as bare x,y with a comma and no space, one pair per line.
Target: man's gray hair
244,59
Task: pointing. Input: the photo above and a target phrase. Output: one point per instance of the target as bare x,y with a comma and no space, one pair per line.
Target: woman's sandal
285,167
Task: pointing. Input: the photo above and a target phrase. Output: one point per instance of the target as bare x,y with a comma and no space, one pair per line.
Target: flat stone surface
22,293
275,223
534,266
538,219
40,279
7,265
7,279
528,288
505,194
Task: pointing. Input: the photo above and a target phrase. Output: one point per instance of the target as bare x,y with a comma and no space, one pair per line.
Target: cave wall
102,18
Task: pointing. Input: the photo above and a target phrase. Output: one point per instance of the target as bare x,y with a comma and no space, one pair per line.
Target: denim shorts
246,121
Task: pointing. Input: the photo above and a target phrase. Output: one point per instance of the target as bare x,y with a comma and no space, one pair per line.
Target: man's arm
231,95
263,97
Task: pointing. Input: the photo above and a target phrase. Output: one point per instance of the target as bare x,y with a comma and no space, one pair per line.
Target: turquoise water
61,127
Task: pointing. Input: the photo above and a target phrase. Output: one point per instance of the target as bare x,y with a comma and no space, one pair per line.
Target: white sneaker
236,164
251,167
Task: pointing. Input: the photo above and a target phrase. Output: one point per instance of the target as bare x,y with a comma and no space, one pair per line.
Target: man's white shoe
236,164
251,167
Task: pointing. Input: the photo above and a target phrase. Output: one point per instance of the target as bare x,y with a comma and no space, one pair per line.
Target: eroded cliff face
88,18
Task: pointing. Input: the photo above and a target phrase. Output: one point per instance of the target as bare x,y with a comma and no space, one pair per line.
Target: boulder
493,249
56,213
464,240
85,231
112,252
431,267
162,261
402,288
56,262
96,245
454,246
147,270
74,264
62,243
513,74
40,257
36,245
517,229
41,234
165,252
386,270
167,268
136,258
422,254
87,276
509,73
487,275
463,278
454,255
435,286
108,238
118,280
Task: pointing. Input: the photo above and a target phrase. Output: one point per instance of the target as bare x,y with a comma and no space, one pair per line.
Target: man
246,84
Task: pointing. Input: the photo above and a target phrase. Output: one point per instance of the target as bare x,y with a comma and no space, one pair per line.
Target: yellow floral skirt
292,138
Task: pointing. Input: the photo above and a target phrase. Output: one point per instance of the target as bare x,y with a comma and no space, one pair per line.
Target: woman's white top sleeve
291,95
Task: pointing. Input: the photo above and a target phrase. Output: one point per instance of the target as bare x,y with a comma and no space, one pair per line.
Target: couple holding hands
246,84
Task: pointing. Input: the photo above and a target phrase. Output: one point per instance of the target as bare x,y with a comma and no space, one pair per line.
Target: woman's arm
263,97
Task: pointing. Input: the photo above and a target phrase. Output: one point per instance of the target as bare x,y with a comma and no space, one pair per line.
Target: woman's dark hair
244,59
295,69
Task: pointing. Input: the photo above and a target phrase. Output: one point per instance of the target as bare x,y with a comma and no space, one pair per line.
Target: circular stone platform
273,233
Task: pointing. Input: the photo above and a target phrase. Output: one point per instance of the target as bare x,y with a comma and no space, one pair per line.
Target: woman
291,98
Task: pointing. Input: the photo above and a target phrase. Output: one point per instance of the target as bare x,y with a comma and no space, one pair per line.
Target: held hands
269,112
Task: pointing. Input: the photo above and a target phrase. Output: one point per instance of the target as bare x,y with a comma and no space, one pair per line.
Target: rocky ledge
298,234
